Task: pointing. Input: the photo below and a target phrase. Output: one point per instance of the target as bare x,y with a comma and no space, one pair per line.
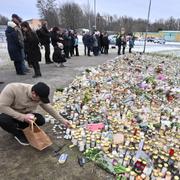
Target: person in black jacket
44,37
106,43
56,36
72,41
31,44
118,43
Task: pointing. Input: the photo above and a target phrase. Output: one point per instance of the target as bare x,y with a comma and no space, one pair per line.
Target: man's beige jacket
15,101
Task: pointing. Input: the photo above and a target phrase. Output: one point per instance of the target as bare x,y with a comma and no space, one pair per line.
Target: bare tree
48,11
71,15
3,20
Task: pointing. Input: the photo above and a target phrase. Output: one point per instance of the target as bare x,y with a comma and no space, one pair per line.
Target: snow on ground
170,48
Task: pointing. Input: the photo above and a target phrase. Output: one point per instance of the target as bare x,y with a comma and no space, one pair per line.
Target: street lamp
95,14
89,18
147,26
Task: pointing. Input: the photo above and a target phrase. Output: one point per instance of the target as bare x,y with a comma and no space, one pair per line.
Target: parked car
112,40
150,39
159,40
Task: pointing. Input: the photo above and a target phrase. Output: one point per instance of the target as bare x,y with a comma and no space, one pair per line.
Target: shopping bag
37,137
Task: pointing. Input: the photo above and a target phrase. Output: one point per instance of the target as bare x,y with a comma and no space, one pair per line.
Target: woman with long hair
32,49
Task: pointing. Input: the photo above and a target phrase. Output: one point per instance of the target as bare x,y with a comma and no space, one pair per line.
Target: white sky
133,8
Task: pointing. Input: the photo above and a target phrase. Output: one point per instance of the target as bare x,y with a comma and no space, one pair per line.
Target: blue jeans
23,62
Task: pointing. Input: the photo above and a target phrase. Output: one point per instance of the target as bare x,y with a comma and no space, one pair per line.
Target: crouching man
18,103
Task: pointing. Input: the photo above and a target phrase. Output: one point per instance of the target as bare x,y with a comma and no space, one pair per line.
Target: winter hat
11,24
16,17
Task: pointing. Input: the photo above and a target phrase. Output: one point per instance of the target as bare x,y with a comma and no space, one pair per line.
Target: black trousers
71,50
124,49
119,49
85,50
14,126
89,50
47,52
19,67
36,67
76,49
66,51
106,48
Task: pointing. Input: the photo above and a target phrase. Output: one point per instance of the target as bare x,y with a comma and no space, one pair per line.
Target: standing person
85,42
55,40
44,37
106,43
131,43
56,36
101,43
32,49
14,47
90,41
66,42
76,44
95,44
17,20
18,103
118,43
123,43
71,42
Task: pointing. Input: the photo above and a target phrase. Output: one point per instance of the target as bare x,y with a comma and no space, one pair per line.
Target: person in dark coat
85,42
44,37
131,43
72,41
90,42
118,43
66,43
56,36
123,43
101,43
106,43
31,43
58,55
18,20
14,47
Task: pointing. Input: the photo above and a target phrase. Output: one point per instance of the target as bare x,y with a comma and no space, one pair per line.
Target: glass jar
176,178
125,163
154,175
87,144
164,169
81,146
127,173
168,176
160,176
121,158
132,175
98,144
93,142
159,167
75,140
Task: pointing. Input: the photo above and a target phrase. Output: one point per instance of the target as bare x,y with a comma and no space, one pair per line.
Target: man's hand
29,118
66,123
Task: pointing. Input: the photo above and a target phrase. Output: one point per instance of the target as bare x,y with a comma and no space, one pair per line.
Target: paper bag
37,137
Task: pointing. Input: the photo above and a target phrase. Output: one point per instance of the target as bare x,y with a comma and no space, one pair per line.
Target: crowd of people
24,45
